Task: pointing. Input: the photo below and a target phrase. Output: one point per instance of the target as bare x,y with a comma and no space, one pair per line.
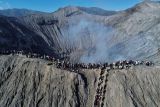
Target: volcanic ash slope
26,82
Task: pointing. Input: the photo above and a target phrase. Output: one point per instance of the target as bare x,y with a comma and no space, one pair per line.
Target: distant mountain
73,10
69,10
97,11
19,12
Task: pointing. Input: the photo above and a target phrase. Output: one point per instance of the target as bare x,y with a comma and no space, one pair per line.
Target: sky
53,5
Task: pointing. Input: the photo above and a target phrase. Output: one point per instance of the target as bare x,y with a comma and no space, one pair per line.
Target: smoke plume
91,42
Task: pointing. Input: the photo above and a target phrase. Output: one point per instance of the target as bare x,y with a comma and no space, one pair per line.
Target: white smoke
92,42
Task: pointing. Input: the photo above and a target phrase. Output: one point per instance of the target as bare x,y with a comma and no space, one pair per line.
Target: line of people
27,54
117,65
101,88
65,64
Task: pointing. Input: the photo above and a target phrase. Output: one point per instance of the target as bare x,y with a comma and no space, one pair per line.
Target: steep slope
31,82
26,82
137,30
16,36
136,87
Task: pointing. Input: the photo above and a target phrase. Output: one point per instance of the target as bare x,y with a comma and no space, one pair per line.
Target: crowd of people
101,89
116,65
66,64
